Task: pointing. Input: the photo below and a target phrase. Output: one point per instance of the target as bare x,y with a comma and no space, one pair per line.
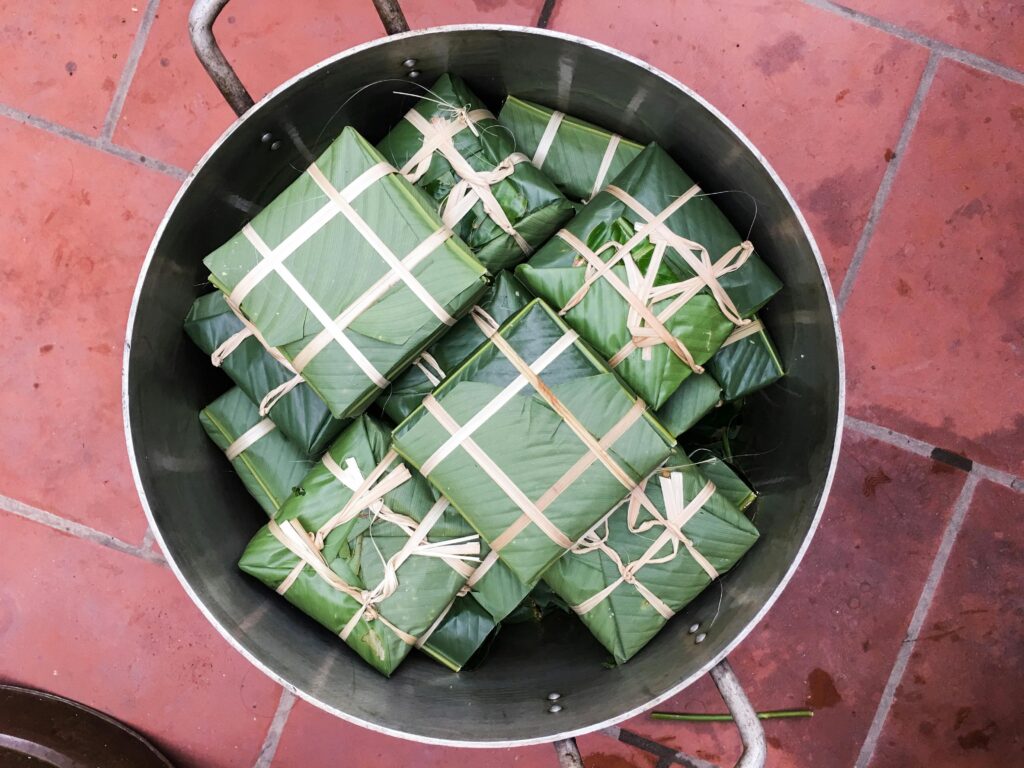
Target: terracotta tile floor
900,129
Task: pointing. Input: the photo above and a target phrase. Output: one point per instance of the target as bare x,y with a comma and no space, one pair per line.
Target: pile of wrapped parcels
462,359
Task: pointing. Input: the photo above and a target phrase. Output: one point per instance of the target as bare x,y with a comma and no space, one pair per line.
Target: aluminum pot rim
739,135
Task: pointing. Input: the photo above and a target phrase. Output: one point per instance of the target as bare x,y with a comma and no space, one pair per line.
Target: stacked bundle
533,464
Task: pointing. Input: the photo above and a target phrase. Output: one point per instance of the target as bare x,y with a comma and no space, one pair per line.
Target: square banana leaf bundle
366,548
631,573
349,272
746,362
696,396
533,439
623,274
261,372
455,150
461,633
503,298
725,478
578,156
268,464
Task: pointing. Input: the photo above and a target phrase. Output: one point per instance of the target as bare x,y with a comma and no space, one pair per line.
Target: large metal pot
203,519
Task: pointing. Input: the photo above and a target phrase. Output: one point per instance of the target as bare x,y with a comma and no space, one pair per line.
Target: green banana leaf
696,396
534,206
601,317
300,415
336,266
465,629
531,443
502,300
624,621
269,468
356,551
747,364
728,483
574,159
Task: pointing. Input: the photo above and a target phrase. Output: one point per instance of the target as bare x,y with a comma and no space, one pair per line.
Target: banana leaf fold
455,150
532,439
366,548
350,272
696,396
623,273
503,298
725,478
267,463
578,156
633,571
746,362
260,372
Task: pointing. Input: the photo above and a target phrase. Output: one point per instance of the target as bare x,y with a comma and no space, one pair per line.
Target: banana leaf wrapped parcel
578,156
455,150
726,480
651,274
533,439
651,556
267,463
502,300
261,372
696,396
746,362
366,548
349,272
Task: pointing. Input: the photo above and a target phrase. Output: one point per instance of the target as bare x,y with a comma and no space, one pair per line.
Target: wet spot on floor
71,67
779,56
821,690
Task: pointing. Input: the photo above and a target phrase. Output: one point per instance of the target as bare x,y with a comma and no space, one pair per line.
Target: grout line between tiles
927,77
273,737
36,515
945,50
128,73
544,18
928,451
92,142
147,539
924,603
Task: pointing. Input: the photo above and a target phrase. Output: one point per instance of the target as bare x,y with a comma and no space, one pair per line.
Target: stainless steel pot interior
203,517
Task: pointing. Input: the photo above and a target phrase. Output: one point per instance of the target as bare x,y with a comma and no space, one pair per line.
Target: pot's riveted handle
200,28
755,749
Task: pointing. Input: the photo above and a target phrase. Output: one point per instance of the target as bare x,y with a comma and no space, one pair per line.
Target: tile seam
275,730
888,179
128,73
92,142
924,603
945,50
78,530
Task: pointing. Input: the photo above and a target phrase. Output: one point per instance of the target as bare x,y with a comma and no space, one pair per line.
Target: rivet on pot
694,628
554,696
700,638
414,74
266,138
275,146
409,63
555,709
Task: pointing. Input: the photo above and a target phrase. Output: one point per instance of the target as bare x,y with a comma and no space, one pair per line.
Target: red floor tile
959,702
933,329
990,28
173,110
429,13
833,636
63,61
119,634
822,97
77,224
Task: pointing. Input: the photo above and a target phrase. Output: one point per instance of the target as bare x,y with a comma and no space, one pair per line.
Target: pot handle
200,29
755,749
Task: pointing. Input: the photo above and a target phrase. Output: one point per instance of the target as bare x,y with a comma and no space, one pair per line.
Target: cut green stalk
703,717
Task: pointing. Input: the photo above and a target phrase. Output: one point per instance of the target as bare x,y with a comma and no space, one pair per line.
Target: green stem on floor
701,717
